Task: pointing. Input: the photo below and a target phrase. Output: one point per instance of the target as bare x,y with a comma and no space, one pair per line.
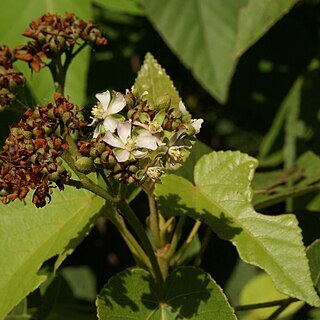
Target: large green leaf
123,6
153,79
30,236
222,198
313,254
13,22
208,36
255,18
189,293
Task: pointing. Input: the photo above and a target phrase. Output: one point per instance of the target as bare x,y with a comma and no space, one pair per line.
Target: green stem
187,243
204,245
282,302
146,244
275,314
87,183
176,237
153,219
139,255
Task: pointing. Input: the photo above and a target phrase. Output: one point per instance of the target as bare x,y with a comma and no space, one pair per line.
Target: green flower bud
51,114
94,152
129,100
117,176
15,131
104,156
84,165
66,116
54,176
97,161
131,180
100,147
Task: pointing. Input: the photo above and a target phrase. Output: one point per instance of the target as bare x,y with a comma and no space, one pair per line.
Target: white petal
138,123
139,154
121,155
96,131
147,140
110,139
104,98
196,123
93,123
182,108
110,124
124,130
117,104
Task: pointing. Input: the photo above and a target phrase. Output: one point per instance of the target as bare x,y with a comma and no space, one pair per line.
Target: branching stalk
282,302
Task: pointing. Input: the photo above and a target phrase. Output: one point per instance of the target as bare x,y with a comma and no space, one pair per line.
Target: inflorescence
53,35
133,141
10,78
30,157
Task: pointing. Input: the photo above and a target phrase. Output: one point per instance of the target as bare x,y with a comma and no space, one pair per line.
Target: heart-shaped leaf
189,293
222,198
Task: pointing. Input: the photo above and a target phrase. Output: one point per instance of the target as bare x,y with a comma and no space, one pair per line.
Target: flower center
98,112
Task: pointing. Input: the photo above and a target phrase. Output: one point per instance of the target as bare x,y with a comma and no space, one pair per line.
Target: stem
87,183
204,244
153,218
139,255
282,302
146,244
187,243
176,237
275,314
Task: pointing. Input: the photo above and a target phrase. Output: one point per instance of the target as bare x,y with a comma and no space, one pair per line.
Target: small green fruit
84,165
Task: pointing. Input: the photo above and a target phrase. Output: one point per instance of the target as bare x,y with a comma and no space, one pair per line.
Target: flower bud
84,165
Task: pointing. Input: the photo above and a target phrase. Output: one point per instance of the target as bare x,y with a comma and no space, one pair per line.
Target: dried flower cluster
133,140
30,156
53,35
9,77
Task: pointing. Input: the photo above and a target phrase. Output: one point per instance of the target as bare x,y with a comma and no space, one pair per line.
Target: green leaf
222,198
255,18
154,79
189,293
209,36
30,236
313,254
252,294
13,22
197,151
82,281
123,6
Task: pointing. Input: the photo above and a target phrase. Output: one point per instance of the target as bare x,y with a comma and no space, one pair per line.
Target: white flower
103,111
155,172
196,123
126,146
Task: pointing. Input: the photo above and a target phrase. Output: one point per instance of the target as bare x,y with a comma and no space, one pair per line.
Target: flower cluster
134,140
30,156
53,35
9,77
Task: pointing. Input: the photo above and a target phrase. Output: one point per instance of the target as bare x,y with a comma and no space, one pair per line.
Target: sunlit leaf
252,293
30,236
189,293
222,198
153,79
